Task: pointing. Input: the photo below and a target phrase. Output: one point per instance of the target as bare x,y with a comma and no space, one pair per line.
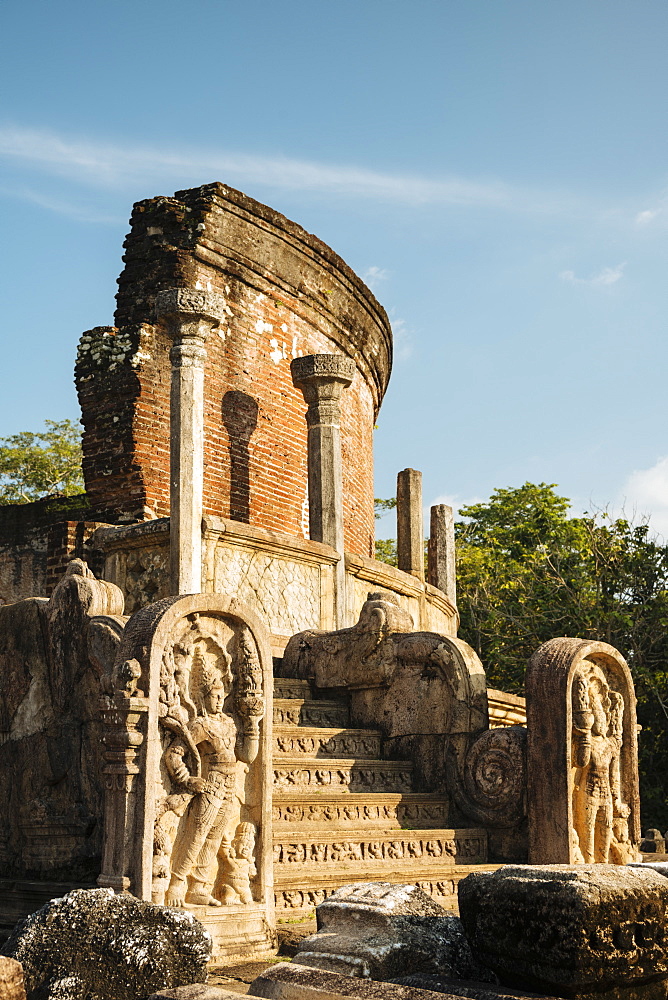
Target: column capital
317,374
180,307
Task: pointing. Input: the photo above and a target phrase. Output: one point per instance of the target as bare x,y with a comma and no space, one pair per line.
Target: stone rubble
95,945
381,931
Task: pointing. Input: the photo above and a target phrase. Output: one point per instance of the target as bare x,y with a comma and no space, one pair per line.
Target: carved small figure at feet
237,867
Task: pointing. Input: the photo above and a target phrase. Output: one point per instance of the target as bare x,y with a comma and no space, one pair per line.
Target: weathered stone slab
570,930
660,867
93,943
290,981
196,991
376,930
463,987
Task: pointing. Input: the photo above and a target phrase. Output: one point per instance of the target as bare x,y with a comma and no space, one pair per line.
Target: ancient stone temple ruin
211,694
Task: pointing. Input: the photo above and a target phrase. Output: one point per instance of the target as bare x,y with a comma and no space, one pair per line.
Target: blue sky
495,169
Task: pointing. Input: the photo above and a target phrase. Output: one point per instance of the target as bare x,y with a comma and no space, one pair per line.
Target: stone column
410,533
441,568
322,378
125,721
189,314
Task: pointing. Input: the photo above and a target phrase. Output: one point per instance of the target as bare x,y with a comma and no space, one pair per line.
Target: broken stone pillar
322,378
441,569
410,533
190,315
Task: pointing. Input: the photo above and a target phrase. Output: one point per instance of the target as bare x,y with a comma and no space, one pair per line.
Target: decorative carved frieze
382,776
291,712
297,900
288,687
360,811
451,847
327,743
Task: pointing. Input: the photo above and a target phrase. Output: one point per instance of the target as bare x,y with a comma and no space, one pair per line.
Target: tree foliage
34,465
527,571
386,548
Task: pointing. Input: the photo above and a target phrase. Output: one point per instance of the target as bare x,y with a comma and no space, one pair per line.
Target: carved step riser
348,812
380,776
287,687
300,898
292,712
375,854
323,744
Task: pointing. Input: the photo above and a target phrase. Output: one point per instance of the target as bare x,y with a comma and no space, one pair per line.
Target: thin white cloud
80,212
455,501
403,339
606,276
106,165
374,276
645,495
647,216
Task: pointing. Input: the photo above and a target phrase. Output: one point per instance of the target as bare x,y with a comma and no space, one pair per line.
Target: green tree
528,572
386,548
34,465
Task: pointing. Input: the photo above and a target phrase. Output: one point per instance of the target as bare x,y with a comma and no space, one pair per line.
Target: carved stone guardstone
582,756
188,767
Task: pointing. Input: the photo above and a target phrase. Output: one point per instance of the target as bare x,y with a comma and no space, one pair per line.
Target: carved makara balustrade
427,694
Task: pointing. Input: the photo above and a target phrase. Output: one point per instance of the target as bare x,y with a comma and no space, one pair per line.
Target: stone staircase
343,814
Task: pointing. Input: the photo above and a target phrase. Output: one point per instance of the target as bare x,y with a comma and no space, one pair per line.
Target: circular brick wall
287,294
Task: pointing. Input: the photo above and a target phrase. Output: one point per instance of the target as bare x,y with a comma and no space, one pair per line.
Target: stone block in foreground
290,981
95,945
376,930
570,930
